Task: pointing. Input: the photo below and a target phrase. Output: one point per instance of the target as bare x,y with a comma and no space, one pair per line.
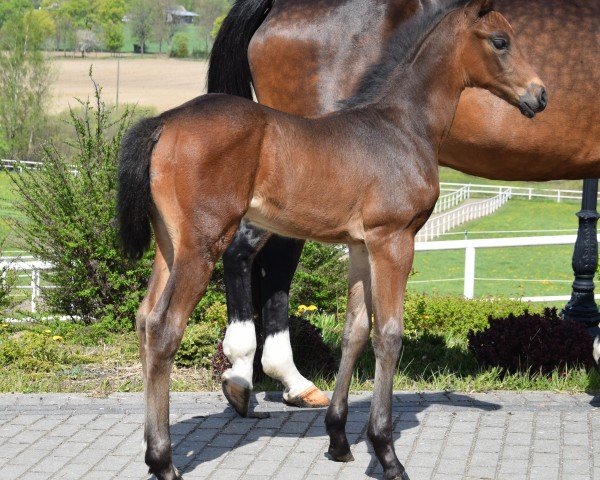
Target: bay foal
365,176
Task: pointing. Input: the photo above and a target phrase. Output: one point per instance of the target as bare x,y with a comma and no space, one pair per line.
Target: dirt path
162,83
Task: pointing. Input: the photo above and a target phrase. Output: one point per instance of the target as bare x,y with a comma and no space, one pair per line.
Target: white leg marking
596,351
240,345
278,362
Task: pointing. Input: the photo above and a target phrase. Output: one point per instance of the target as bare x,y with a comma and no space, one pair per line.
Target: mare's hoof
402,476
171,474
312,397
341,457
237,395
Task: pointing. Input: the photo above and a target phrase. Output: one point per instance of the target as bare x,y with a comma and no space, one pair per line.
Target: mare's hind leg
276,264
240,340
356,335
391,259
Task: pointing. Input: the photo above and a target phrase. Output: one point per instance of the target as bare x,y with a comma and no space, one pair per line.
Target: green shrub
69,205
321,278
447,314
179,46
8,279
198,346
35,351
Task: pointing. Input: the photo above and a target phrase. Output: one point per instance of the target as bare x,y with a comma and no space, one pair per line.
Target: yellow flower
311,308
47,331
58,338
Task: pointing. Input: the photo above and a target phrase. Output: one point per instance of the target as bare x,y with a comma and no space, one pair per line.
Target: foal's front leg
356,335
391,260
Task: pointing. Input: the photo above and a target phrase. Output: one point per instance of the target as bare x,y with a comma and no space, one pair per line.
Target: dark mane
400,50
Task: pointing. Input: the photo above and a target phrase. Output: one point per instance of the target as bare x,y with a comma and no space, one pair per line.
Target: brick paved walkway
509,436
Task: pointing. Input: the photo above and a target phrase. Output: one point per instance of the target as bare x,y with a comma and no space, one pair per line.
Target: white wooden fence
453,199
32,269
522,192
470,247
440,224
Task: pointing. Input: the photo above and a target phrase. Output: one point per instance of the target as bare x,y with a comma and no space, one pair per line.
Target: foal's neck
425,93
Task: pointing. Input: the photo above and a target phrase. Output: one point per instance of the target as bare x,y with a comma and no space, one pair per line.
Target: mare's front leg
274,269
240,340
356,335
391,258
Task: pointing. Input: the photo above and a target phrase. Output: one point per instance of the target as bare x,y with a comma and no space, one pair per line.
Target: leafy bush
179,46
321,278
35,351
69,205
447,314
198,346
311,354
532,342
8,279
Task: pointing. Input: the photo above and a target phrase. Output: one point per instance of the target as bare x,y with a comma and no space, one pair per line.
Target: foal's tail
229,70
134,200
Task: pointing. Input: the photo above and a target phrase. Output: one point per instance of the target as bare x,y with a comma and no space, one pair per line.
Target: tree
113,36
143,16
25,77
164,26
208,11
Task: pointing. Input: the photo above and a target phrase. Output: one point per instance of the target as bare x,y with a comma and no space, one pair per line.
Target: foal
365,176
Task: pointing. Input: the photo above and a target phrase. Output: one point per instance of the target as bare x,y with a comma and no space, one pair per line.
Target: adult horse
366,176
303,57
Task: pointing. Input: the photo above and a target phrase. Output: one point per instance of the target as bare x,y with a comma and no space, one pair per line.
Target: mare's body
305,56
366,176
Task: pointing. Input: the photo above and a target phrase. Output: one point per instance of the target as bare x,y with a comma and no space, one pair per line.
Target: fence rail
470,247
523,192
440,224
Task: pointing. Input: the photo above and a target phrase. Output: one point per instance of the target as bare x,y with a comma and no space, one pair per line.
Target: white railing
522,192
440,224
470,247
33,267
451,200
19,164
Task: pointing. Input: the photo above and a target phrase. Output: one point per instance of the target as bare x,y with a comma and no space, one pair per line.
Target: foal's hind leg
391,259
240,340
356,334
190,272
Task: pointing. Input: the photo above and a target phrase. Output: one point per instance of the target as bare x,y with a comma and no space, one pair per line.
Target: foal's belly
305,222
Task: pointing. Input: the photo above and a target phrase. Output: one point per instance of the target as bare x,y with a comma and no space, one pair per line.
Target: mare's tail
229,70
134,200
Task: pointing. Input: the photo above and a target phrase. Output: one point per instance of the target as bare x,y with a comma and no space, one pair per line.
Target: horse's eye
500,43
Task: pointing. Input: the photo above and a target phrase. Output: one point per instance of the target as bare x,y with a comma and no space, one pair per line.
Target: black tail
229,70
135,199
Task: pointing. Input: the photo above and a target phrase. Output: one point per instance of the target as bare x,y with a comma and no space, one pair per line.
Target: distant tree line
85,25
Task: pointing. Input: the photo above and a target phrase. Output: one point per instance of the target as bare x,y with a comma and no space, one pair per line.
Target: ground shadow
190,431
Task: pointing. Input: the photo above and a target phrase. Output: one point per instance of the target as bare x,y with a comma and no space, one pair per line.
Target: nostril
543,98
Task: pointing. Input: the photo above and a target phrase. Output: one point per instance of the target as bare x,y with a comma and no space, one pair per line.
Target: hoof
237,395
171,474
340,457
312,397
401,476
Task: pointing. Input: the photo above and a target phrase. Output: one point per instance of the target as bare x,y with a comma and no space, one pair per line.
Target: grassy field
532,271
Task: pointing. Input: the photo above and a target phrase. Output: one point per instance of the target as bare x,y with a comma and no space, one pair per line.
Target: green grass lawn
8,213
525,265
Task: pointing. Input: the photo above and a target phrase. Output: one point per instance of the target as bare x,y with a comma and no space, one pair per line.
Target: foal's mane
400,50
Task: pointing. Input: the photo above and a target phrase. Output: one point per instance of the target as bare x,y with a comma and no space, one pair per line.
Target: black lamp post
582,306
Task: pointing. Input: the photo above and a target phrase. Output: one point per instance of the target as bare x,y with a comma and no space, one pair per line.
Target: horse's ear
481,7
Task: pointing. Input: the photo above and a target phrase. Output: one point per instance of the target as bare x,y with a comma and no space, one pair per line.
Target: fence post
469,287
35,286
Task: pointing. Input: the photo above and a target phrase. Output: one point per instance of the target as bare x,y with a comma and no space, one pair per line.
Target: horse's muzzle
534,100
